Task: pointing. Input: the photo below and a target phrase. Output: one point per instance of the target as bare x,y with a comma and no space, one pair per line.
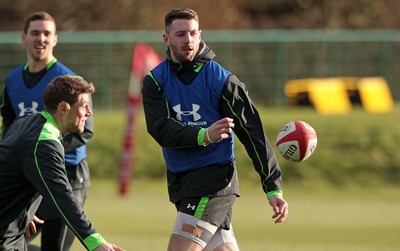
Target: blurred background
270,45
265,43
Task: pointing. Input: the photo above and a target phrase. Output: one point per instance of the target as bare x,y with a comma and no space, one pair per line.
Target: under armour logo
179,112
190,206
27,110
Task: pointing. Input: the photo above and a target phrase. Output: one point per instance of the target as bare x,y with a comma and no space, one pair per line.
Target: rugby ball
296,141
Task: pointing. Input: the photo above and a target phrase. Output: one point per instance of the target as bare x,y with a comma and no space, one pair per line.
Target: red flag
144,59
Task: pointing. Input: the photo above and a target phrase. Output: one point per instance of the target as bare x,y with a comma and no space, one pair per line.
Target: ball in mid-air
296,141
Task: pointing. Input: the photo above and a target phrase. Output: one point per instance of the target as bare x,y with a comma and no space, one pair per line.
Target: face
40,40
76,117
183,39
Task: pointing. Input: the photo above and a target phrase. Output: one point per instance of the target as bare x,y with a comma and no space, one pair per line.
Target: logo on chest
193,112
27,110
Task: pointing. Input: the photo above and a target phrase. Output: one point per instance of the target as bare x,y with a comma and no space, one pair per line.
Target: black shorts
215,210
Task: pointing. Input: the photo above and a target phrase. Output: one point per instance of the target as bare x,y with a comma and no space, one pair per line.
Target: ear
64,106
166,39
55,39
23,37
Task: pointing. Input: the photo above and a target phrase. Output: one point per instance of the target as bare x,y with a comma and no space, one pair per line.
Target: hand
108,247
31,228
219,130
280,208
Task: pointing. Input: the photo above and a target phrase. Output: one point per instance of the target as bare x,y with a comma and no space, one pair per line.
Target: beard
183,55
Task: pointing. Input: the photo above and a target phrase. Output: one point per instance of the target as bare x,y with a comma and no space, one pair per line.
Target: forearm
248,128
46,172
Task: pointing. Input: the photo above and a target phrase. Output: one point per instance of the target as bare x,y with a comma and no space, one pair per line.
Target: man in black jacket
192,107
32,164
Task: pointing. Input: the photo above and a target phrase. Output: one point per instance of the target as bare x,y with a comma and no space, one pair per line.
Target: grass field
343,198
352,219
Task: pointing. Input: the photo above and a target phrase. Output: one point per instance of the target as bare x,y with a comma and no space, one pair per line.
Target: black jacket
234,103
32,164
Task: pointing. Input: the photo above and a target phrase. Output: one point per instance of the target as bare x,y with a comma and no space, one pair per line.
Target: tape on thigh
194,229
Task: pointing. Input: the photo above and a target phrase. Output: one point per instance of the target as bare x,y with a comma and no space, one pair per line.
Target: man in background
22,95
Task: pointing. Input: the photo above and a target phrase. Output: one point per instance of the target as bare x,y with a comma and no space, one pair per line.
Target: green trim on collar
49,65
50,130
50,118
199,68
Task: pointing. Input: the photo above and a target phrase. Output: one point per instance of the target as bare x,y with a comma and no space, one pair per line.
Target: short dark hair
65,88
41,15
185,13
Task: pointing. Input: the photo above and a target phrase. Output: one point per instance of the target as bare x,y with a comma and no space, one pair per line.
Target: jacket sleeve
7,112
161,125
72,141
236,104
46,172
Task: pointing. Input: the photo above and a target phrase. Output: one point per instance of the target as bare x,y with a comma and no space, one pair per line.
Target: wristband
208,137
274,193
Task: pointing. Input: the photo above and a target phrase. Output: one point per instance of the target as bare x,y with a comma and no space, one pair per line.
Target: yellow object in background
329,96
375,94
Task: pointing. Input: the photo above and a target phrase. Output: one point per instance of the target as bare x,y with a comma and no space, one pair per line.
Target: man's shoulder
218,70
60,67
15,70
161,65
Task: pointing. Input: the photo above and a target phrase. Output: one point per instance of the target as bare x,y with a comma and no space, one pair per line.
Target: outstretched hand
219,130
280,208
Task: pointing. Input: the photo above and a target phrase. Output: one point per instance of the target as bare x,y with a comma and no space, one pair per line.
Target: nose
88,111
188,37
42,36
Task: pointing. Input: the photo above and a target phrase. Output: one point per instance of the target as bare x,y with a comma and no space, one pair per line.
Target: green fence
263,59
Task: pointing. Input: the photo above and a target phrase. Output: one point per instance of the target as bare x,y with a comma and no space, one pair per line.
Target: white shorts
205,234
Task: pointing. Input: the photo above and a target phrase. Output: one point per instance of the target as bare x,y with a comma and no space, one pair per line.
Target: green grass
344,197
353,219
